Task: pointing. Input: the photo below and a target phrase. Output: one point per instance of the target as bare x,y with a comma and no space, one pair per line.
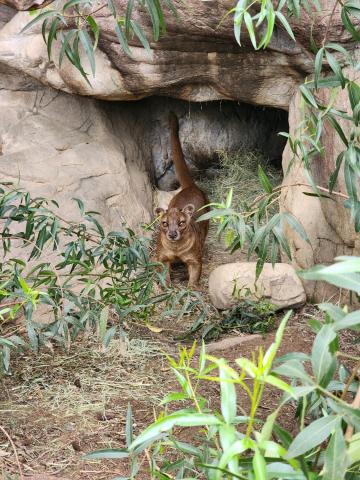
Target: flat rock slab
230,342
232,282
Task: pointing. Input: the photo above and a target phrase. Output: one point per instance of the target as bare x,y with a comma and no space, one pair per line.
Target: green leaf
268,426
122,39
354,94
227,394
335,124
350,281
73,3
293,369
313,435
52,35
277,470
129,10
285,24
173,397
89,50
336,459
350,414
351,320
250,28
129,426
354,448
322,360
140,34
95,29
318,66
296,225
335,67
234,450
348,24
107,453
308,96
335,312
280,384
272,350
334,175
259,465
104,316
265,182
177,419
40,17
111,7
270,26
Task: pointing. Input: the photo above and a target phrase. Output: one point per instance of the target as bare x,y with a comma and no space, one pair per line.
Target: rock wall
62,146
328,224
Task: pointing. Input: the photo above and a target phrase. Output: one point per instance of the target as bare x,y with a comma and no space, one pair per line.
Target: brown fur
181,237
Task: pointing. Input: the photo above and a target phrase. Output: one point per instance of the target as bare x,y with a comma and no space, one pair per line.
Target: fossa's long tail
181,169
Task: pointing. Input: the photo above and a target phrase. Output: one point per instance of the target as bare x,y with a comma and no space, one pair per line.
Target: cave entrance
223,143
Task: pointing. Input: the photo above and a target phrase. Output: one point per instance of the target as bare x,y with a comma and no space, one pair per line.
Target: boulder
62,146
232,282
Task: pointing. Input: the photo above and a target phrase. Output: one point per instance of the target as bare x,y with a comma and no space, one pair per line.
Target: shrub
235,444
94,280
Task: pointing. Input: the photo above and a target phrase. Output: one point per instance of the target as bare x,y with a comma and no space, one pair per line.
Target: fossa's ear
158,211
189,209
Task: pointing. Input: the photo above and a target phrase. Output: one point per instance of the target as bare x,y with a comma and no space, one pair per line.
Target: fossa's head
175,221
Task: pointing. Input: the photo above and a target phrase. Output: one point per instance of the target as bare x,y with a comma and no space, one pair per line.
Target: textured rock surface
61,146
197,60
234,281
327,222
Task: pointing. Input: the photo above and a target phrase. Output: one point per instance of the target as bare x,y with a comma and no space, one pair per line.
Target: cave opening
223,143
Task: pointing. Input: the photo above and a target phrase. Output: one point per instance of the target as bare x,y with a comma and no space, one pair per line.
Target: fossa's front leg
194,269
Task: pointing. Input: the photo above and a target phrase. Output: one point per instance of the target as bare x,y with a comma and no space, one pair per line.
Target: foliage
234,443
252,229
239,171
248,316
73,24
93,282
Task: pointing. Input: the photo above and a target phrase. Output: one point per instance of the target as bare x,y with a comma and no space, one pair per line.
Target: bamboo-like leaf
129,426
250,28
334,65
296,225
348,24
40,17
177,419
88,47
129,10
95,29
259,466
265,182
107,453
122,39
285,24
318,66
323,361
141,36
313,435
308,96
336,459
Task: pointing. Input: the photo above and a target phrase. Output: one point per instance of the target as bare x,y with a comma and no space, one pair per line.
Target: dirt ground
56,407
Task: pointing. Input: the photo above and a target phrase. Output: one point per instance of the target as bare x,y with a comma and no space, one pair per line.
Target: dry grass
78,402
239,171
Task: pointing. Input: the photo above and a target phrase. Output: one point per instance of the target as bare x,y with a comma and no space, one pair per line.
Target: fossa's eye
181,223
164,224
